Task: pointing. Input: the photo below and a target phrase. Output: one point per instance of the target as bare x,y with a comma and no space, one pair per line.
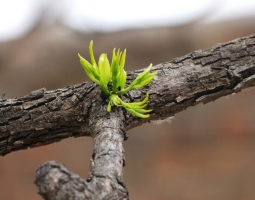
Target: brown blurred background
206,152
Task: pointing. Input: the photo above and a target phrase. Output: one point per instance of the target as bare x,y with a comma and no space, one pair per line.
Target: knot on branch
55,182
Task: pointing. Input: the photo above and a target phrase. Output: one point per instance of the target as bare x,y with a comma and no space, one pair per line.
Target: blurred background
205,152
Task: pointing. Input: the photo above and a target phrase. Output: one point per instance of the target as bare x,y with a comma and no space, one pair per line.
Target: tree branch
44,117
198,77
105,179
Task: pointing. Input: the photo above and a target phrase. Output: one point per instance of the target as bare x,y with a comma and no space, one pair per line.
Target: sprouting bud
104,73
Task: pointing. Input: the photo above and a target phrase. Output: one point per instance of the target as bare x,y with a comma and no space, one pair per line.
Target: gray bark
105,179
44,117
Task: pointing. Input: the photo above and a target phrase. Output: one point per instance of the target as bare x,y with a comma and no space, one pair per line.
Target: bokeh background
205,152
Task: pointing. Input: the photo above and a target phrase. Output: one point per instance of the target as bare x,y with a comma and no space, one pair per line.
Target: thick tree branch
44,117
105,179
198,77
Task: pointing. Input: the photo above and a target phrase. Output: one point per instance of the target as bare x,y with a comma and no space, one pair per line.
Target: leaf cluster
105,74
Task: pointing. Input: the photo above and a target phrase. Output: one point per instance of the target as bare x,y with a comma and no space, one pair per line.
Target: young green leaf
143,79
109,106
104,73
137,114
122,60
92,58
147,79
123,78
141,76
115,71
89,69
141,102
136,108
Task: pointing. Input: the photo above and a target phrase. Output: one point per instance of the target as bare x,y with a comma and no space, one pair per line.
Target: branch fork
44,117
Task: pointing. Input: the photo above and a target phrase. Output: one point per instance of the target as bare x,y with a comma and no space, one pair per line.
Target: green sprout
105,74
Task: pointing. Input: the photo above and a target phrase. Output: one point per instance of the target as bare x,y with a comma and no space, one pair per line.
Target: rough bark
44,117
105,179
